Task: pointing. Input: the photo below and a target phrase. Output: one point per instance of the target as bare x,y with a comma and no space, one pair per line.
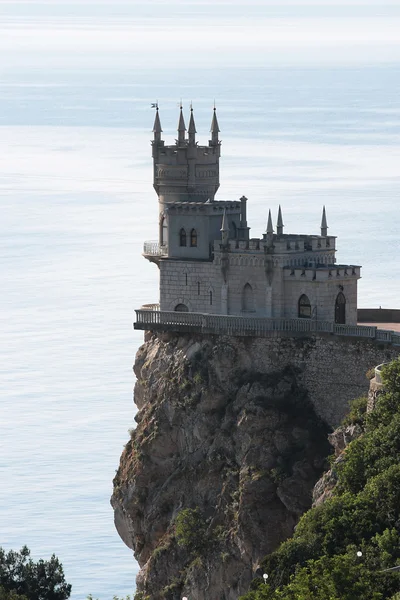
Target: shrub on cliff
21,577
321,561
190,530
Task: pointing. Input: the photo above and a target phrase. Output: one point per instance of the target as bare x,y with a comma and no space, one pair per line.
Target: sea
307,97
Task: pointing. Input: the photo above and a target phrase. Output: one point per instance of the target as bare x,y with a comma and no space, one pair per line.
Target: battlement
283,244
321,272
209,208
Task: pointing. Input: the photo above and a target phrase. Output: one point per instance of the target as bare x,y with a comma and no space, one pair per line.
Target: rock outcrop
231,437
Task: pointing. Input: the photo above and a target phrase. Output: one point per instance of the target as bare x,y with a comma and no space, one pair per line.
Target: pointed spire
214,128
279,223
270,232
157,127
225,229
270,229
192,128
181,127
324,225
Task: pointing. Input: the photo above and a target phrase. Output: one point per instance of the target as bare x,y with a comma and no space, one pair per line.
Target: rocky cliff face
231,437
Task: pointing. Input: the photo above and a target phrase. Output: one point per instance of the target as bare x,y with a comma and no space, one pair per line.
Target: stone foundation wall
332,369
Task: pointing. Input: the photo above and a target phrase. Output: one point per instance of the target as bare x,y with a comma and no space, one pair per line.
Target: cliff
228,446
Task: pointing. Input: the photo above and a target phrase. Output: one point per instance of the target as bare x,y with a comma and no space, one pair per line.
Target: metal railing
153,248
251,326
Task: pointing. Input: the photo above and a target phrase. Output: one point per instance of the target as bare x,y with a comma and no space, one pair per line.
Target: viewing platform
150,318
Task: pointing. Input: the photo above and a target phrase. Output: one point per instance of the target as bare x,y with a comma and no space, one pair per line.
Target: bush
190,530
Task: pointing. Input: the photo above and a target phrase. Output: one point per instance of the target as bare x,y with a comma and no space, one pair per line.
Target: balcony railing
153,248
252,326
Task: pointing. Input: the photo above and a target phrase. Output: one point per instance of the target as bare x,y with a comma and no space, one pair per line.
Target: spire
224,229
270,229
270,232
279,224
192,128
181,127
214,128
157,127
324,225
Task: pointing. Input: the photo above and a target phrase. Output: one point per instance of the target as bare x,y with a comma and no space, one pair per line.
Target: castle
208,262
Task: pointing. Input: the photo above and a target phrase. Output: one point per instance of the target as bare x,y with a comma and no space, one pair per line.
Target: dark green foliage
10,595
190,530
358,409
320,562
42,580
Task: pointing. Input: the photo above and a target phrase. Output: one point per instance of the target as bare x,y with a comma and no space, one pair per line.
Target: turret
270,231
279,223
192,129
214,129
324,225
181,128
185,171
157,127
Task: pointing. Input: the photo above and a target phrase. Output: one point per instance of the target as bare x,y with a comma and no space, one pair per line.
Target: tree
42,580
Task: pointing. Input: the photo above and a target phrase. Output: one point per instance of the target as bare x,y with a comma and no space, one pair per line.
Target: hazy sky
111,33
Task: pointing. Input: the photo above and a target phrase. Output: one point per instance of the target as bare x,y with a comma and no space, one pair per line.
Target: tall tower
185,171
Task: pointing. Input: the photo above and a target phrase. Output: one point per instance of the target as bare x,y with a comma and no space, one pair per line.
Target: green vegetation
23,579
191,530
340,549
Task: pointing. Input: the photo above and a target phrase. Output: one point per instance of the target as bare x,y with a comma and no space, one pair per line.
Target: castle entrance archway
181,308
340,309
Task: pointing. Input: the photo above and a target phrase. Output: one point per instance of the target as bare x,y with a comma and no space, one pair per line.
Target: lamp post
265,577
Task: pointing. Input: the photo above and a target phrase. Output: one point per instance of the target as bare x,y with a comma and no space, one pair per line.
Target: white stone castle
208,262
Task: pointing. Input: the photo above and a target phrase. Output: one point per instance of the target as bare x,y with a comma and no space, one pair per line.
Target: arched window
340,309
164,232
233,230
248,298
193,238
182,237
211,297
181,308
304,307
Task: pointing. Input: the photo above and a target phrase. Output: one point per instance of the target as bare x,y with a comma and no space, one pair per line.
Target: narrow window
164,232
248,298
340,309
198,288
185,278
182,237
193,238
210,297
304,311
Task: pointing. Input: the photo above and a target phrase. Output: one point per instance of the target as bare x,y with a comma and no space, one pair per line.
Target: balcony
153,251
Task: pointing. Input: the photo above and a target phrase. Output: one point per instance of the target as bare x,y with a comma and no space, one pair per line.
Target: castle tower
185,171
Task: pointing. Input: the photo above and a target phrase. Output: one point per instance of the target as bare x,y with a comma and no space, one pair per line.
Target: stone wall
379,315
190,283
333,370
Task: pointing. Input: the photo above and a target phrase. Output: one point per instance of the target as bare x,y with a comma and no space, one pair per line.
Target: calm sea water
77,203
